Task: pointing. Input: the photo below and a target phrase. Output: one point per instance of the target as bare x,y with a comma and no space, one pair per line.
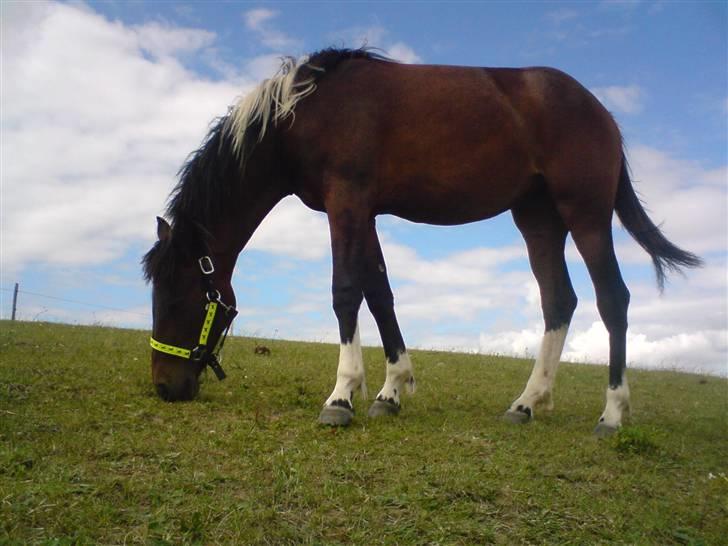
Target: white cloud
164,41
263,66
703,350
403,53
95,128
34,308
688,201
292,229
255,18
622,99
525,342
684,328
258,20
469,268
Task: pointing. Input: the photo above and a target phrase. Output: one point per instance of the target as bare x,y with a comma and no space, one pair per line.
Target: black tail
664,254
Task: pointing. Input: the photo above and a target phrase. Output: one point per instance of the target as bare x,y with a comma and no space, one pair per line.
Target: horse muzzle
178,392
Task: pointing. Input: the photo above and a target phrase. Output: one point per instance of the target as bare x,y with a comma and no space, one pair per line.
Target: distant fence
71,316
15,300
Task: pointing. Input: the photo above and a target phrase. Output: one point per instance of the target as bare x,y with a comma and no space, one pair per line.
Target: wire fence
36,306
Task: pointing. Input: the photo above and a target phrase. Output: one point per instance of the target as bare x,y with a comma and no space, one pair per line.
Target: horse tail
665,255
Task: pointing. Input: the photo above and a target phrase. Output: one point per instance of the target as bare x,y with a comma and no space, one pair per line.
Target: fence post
15,300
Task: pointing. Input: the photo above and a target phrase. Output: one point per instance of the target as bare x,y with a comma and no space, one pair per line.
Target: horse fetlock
400,375
358,383
532,399
392,389
617,408
345,389
411,385
543,400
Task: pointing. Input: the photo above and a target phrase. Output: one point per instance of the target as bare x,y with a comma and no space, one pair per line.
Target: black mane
326,60
203,188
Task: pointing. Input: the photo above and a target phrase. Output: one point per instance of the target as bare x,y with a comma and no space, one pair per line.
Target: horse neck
232,231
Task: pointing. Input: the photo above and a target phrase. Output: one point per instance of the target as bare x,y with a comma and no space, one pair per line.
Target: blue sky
101,103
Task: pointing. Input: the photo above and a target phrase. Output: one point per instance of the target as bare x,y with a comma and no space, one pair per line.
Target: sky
103,101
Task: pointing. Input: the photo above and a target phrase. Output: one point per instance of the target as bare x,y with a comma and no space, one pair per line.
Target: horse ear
163,229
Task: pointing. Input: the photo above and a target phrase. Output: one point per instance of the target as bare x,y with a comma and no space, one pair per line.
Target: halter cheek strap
201,352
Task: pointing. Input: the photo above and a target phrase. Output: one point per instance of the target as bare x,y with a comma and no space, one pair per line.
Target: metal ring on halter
215,297
206,265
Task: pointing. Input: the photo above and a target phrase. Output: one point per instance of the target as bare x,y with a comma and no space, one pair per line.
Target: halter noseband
202,353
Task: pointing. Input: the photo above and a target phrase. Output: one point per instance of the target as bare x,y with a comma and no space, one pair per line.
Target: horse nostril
163,391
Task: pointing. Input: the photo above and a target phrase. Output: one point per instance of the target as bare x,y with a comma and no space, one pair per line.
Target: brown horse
355,135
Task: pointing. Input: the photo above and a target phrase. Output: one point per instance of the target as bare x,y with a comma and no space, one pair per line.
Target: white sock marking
540,384
617,405
399,375
350,373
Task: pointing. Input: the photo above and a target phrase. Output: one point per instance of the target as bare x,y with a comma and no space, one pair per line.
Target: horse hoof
516,417
382,407
335,416
603,430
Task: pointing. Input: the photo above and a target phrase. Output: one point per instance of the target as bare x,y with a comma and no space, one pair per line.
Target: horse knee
346,299
346,303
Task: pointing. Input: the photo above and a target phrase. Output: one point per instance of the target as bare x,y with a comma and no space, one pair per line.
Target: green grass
89,455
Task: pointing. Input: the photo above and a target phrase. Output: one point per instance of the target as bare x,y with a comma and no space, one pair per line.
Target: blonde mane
273,100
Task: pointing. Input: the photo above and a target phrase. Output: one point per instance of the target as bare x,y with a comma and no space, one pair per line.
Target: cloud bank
95,128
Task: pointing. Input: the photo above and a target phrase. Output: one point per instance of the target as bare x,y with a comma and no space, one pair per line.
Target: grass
89,455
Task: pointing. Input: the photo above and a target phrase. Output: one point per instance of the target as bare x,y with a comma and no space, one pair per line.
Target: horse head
193,308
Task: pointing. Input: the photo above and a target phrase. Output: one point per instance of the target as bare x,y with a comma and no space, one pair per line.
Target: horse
355,135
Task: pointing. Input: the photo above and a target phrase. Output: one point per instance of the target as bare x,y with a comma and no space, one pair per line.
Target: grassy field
89,455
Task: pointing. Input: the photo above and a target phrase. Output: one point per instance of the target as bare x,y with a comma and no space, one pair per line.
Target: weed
634,440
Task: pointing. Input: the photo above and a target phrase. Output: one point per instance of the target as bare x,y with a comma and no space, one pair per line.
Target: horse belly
454,205
456,186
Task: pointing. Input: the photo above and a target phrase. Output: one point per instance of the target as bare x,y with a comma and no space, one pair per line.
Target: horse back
472,140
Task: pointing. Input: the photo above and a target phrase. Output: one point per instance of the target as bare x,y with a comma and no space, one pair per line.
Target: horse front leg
347,245
380,300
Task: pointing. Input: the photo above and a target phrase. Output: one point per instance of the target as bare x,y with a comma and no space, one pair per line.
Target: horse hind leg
545,236
597,249
589,220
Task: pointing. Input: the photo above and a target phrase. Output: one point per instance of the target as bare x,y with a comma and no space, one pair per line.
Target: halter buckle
198,353
206,265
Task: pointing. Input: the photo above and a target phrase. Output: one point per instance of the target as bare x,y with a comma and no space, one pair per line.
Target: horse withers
355,135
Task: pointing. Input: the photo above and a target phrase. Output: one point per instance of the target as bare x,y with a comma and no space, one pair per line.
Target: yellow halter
201,352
